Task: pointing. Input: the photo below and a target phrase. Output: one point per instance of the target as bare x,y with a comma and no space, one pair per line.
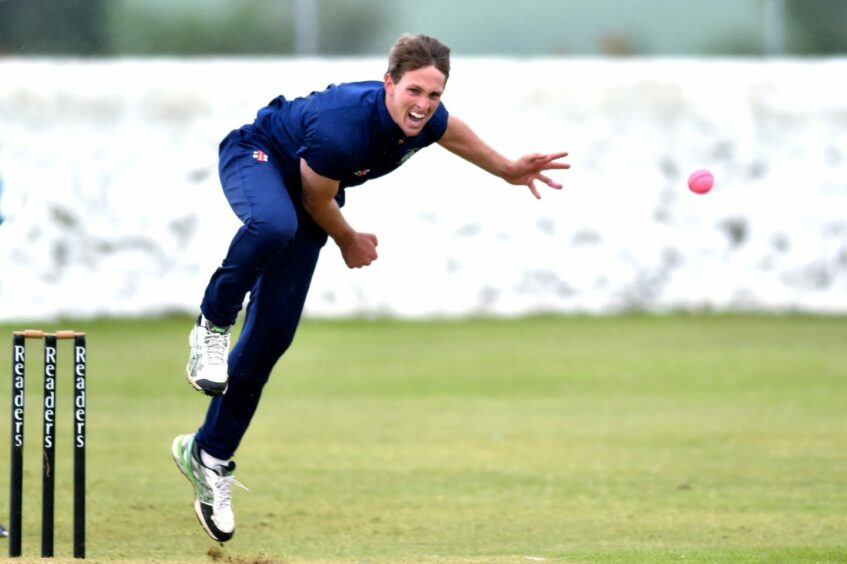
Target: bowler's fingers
547,158
549,181
556,156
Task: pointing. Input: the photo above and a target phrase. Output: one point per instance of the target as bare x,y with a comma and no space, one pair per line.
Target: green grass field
575,439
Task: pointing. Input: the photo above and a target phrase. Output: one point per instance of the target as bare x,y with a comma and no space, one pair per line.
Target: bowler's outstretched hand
530,168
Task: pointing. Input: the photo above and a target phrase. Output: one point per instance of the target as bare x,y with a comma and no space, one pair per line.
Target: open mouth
416,118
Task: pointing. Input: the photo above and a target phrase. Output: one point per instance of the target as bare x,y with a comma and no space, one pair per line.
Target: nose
424,105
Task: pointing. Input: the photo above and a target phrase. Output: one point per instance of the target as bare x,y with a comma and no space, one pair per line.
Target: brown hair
413,52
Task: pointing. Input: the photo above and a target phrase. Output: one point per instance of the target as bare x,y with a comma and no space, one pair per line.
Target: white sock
210,461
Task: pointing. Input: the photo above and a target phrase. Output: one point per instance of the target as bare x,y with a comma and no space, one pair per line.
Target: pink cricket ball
701,181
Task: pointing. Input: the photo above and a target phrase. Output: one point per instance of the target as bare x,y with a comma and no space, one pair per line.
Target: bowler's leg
274,311
257,193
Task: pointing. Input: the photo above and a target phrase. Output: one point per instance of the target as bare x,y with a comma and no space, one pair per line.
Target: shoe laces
217,346
222,483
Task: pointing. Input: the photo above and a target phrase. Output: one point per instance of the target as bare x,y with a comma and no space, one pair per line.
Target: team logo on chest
361,173
260,156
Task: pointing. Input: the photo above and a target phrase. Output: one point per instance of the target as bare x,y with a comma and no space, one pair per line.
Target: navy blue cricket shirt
344,132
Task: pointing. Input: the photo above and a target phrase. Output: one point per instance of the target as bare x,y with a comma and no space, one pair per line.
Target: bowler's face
414,98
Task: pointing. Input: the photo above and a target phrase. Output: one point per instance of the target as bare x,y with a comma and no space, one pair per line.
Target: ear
389,84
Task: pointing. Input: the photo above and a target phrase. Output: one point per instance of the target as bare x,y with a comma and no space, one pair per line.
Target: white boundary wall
113,206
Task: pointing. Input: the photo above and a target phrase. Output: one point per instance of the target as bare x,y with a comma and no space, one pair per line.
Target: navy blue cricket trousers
272,256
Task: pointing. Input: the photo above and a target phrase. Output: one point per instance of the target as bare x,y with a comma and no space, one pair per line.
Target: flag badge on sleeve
260,156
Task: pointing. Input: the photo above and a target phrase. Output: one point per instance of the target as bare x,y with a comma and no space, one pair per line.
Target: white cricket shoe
212,488
207,364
